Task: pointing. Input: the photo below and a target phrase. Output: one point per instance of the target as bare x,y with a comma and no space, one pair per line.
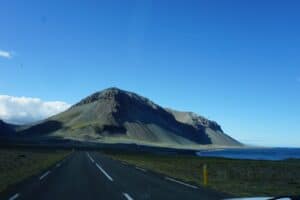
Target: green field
19,164
236,177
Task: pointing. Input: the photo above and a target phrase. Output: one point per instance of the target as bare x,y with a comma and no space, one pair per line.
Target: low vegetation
237,177
19,164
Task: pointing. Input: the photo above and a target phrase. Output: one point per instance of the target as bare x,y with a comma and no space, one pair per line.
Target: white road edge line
44,175
141,169
104,172
14,197
127,196
182,183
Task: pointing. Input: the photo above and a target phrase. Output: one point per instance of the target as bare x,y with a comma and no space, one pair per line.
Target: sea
253,153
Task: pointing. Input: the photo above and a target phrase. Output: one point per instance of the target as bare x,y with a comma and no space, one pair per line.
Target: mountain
115,115
6,130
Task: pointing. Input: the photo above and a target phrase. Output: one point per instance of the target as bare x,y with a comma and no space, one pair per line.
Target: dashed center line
45,174
182,183
127,196
90,157
104,172
100,168
14,197
141,169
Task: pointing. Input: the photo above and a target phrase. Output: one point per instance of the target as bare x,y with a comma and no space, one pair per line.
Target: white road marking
127,196
104,172
44,175
141,169
14,197
90,157
182,183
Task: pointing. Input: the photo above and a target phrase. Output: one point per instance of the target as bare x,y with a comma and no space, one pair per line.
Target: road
92,175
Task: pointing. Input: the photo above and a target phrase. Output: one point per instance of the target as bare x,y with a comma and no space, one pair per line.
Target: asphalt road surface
91,175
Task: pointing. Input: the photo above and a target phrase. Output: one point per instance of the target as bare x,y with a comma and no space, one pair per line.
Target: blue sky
236,62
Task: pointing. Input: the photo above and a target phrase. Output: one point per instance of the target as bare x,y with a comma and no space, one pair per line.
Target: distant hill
115,115
6,130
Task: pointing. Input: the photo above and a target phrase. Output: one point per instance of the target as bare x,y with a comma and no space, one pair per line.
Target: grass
19,164
236,177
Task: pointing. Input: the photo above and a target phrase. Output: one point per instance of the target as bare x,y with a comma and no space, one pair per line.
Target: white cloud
5,54
22,110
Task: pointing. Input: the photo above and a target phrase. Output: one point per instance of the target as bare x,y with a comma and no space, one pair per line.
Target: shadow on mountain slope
43,128
138,112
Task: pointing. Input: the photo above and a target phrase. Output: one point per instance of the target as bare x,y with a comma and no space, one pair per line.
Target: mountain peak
109,93
115,94
112,90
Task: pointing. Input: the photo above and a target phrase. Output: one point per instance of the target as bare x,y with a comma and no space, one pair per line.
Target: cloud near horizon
22,110
5,54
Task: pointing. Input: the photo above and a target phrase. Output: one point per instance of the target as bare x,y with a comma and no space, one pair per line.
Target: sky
235,62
